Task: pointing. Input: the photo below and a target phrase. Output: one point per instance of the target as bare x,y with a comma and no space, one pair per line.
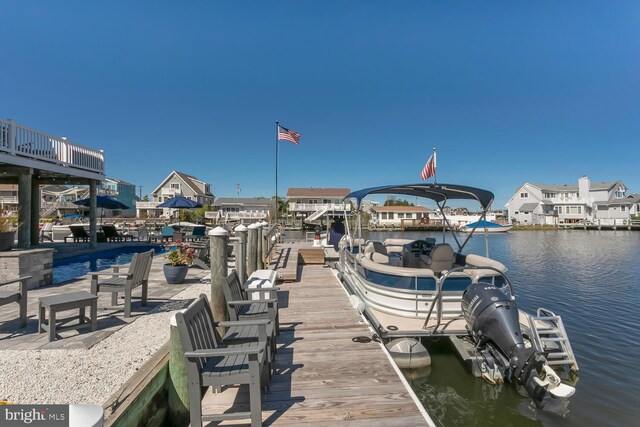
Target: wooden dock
294,254
323,377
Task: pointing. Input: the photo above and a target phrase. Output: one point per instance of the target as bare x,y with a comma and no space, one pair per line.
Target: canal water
591,279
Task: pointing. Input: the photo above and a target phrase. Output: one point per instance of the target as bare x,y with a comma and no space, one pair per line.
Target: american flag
430,168
285,134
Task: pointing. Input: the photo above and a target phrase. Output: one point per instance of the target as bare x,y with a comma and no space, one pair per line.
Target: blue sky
508,92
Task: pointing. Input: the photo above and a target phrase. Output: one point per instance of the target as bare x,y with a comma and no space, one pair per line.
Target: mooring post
178,385
252,249
241,255
218,255
259,247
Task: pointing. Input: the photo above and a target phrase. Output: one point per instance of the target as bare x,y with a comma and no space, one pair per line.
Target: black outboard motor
492,318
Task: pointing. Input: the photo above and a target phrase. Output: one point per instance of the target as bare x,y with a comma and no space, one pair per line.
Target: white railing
169,191
246,215
8,199
19,140
147,205
315,206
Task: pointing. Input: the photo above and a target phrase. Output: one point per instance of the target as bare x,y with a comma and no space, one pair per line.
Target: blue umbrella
103,202
180,202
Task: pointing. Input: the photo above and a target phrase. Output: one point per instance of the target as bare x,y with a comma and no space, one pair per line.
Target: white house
604,203
176,184
398,216
241,209
312,203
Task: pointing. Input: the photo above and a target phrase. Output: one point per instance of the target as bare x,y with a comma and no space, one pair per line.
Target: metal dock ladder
549,335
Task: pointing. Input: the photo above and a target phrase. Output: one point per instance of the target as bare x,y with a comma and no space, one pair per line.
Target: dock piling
218,256
252,249
241,255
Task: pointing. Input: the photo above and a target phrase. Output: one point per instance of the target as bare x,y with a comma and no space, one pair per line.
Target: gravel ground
60,376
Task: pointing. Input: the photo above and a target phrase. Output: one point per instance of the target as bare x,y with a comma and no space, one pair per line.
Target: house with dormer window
176,184
604,203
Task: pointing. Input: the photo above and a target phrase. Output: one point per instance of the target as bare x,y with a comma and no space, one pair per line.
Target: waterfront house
123,192
399,216
175,184
603,203
241,210
312,203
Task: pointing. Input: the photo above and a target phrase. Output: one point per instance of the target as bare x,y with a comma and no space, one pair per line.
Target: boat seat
375,246
442,258
378,258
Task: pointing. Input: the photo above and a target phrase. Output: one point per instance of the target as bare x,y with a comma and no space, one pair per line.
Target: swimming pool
72,267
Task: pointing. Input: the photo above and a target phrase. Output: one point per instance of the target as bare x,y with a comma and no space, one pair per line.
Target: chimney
584,184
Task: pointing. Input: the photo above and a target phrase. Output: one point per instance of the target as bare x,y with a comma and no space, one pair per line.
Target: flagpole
277,204
435,167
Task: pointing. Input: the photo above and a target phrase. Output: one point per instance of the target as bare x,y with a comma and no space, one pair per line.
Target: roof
629,200
528,207
400,209
244,201
188,179
593,186
436,192
317,192
119,181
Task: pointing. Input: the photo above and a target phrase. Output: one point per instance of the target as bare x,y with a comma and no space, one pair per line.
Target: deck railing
18,140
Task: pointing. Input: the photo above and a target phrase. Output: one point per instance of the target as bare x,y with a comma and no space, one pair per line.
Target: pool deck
109,321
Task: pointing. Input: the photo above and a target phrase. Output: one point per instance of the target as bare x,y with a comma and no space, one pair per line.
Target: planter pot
6,240
175,274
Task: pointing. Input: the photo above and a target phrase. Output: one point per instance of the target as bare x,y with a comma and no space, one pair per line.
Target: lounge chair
116,281
111,234
19,296
198,233
78,234
165,234
46,232
210,363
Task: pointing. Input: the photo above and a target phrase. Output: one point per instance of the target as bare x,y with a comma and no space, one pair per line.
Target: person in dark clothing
336,231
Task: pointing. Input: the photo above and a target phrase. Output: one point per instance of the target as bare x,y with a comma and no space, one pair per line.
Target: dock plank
323,377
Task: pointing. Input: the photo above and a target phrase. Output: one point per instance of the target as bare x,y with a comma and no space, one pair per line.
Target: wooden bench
19,296
68,301
209,363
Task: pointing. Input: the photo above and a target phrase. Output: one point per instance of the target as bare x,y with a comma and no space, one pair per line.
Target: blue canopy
103,202
180,202
437,192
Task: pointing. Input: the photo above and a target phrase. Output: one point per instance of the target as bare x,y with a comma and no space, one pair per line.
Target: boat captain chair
442,258
376,252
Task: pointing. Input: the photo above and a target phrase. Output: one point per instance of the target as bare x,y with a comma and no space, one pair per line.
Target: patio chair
117,281
111,233
165,234
46,232
198,233
242,308
208,363
19,296
78,234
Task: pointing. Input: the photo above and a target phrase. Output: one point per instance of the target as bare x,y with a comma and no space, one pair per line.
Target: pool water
73,267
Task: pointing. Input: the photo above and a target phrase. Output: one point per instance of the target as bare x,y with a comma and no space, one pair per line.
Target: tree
392,201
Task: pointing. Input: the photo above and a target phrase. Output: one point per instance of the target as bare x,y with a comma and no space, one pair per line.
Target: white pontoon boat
424,288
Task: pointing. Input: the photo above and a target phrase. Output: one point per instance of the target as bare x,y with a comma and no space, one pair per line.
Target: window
409,216
390,215
524,195
550,195
175,185
384,215
400,215
559,210
623,208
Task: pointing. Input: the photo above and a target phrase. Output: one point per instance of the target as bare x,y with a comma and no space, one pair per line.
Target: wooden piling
178,384
252,249
241,256
218,255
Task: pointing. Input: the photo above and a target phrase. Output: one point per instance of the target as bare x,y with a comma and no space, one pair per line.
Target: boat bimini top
440,193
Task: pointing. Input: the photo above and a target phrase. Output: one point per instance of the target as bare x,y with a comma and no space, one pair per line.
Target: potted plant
7,232
180,257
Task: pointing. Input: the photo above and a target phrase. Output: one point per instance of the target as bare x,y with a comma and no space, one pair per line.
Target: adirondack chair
19,296
78,234
202,252
165,234
46,232
209,363
198,233
117,281
242,308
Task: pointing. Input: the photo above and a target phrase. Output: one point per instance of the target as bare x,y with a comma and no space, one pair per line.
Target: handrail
19,140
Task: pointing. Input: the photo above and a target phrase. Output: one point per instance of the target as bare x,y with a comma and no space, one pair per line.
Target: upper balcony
312,207
25,147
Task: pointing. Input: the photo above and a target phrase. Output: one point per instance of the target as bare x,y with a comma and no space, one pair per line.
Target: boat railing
437,300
